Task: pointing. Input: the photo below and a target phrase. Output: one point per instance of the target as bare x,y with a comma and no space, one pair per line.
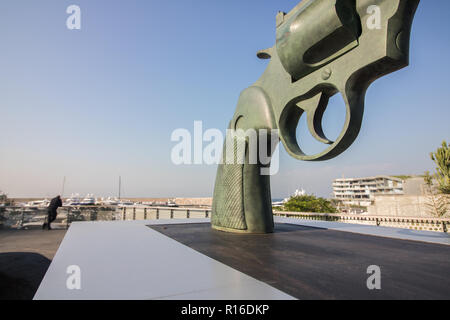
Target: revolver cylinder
306,43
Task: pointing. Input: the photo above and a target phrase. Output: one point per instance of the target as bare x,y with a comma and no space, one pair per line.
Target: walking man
55,203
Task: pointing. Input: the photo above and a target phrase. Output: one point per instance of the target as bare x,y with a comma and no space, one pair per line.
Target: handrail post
68,217
145,213
23,217
171,213
157,213
134,213
124,213
187,214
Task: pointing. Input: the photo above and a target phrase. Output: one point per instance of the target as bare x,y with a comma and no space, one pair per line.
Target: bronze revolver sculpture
323,47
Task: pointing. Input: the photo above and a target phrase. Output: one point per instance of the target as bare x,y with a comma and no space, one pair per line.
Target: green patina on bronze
323,47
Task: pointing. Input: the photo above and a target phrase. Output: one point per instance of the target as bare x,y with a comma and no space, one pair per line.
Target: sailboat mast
63,185
120,182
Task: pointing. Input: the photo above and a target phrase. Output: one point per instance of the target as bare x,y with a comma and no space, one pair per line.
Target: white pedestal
128,260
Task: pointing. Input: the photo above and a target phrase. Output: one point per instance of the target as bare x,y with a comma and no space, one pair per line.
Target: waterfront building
361,192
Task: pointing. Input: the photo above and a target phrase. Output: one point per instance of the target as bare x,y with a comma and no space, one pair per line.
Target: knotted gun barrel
323,47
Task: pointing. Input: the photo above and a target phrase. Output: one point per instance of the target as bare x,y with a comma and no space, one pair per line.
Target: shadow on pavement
20,274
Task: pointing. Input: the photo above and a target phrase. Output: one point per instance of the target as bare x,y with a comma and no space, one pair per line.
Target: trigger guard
290,116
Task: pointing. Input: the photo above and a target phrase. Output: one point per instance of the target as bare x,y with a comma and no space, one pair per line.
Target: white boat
74,200
171,203
125,203
109,201
89,200
38,203
278,203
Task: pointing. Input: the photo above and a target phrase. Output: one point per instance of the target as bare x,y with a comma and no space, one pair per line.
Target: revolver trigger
315,108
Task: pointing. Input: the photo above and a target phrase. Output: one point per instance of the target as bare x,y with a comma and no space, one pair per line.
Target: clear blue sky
103,101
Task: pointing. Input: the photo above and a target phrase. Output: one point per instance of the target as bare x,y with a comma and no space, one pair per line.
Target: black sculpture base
312,263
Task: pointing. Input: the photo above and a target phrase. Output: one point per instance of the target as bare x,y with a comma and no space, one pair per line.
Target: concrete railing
28,217
428,224
151,213
23,217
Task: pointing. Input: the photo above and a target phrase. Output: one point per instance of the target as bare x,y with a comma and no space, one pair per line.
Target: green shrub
309,203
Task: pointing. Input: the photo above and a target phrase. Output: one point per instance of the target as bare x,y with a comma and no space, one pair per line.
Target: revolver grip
242,200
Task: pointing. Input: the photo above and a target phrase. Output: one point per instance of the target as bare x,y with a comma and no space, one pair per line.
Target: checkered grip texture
228,203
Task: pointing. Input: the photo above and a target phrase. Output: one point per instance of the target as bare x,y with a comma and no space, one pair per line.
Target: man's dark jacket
55,203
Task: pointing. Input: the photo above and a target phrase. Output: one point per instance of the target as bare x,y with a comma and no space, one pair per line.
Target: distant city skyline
101,102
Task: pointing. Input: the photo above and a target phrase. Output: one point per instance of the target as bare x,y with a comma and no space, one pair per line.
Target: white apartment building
362,191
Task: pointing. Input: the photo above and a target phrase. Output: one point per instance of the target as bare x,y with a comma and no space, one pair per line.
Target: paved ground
314,263
306,262
370,230
25,256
